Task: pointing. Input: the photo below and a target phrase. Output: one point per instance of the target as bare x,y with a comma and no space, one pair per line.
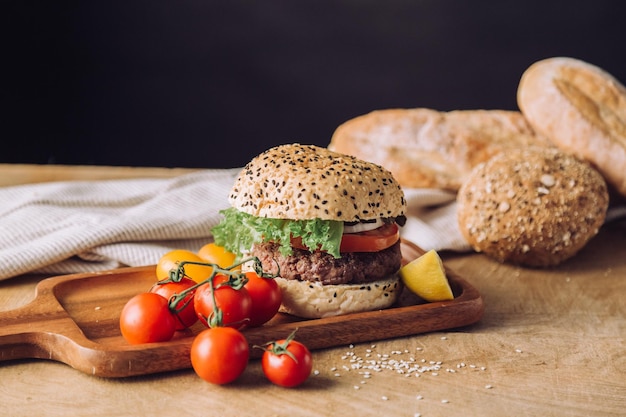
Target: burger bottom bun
313,300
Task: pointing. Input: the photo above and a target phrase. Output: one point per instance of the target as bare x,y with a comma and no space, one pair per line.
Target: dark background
211,84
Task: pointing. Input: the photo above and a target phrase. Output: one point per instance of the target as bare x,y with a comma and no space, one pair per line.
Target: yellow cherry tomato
172,259
217,255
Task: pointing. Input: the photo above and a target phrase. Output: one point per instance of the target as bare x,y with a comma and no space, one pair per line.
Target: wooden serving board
74,319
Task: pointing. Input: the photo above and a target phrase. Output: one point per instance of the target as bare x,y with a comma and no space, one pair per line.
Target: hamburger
327,224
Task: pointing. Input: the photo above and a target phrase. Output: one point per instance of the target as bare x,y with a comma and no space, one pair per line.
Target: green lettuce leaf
238,231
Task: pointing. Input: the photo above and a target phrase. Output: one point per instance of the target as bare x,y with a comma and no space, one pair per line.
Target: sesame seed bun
313,300
303,182
533,207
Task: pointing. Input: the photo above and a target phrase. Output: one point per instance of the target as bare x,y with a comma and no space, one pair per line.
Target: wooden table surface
552,342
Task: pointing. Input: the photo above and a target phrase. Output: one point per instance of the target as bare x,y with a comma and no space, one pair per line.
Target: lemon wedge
426,277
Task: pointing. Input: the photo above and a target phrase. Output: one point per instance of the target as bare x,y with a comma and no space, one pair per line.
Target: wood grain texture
74,319
15,174
551,342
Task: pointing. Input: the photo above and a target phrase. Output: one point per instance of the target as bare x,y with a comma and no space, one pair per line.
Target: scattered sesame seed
445,401
548,180
518,350
316,372
444,338
419,397
488,386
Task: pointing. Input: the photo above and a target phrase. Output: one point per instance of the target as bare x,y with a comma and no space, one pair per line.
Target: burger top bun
303,182
581,109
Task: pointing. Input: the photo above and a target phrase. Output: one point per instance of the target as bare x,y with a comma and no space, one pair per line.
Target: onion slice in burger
374,240
362,226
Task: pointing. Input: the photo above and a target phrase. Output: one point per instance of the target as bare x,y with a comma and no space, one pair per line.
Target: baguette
425,148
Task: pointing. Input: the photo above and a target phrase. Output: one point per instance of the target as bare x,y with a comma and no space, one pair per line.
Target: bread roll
581,109
425,148
533,207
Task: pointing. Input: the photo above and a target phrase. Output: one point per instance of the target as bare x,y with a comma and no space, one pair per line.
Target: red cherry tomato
220,354
183,312
266,298
235,305
287,363
147,318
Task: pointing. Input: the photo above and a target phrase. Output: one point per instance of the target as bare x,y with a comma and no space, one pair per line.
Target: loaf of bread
533,207
425,148
581,109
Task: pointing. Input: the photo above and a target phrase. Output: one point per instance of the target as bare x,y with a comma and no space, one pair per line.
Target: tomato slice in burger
368,241
371,240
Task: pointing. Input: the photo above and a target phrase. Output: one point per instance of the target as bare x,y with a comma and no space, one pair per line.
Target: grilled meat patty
351,268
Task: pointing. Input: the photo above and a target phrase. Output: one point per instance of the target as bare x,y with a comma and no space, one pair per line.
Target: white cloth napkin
88,226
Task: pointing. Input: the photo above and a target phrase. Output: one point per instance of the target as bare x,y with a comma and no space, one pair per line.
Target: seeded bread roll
581,109
532,207
303,182
425,148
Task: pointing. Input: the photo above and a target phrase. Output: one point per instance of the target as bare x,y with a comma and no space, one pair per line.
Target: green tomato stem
280,348
236,280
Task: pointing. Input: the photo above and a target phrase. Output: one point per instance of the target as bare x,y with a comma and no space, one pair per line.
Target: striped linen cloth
86,226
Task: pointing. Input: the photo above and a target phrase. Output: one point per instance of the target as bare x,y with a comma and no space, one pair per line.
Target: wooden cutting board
74,319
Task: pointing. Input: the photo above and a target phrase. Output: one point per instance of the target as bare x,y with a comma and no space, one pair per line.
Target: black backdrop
211,84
